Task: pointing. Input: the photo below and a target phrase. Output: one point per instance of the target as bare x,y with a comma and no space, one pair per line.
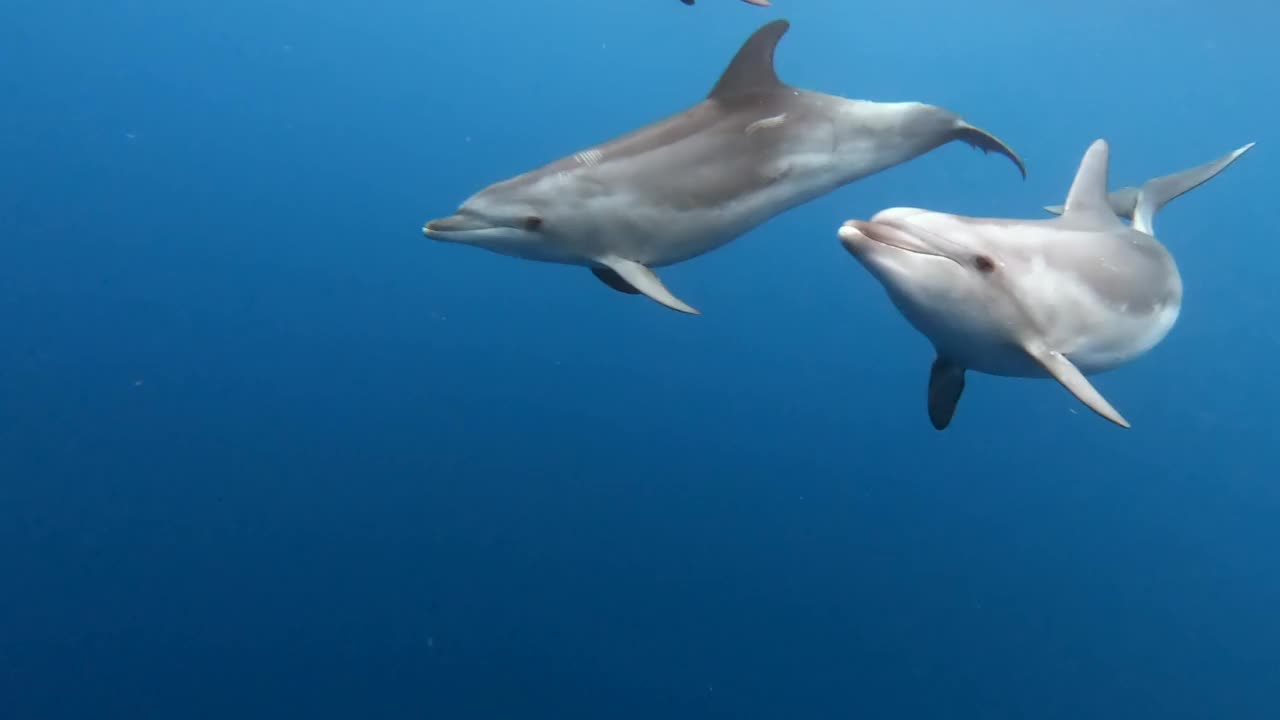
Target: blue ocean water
265,451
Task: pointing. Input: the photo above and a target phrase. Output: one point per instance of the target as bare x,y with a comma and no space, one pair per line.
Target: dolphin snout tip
851,232
434,228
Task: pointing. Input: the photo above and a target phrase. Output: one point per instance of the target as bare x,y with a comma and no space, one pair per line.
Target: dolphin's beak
855,234
851,235
454,224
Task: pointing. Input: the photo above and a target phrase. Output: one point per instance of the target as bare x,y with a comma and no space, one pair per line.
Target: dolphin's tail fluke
1141,204
986,142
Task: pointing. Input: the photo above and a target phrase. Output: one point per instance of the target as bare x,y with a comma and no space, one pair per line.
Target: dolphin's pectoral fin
946,382
643,280
1065,372
986,142
615,281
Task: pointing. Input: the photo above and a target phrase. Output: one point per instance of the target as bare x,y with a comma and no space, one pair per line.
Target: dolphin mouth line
457,224
864,229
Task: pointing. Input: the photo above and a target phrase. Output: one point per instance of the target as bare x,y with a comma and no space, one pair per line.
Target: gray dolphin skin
1058,298
690,183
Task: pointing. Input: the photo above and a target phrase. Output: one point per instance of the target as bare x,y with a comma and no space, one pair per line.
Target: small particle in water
130,136
431,642
137,383
468,138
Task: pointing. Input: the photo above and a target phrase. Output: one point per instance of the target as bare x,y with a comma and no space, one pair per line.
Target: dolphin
1062,298
757,3
688,184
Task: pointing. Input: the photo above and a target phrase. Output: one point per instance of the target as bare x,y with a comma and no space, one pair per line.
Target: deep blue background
265,451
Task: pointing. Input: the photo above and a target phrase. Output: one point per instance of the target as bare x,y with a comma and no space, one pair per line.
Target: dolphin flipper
1065,372
946,383
613,280
643,280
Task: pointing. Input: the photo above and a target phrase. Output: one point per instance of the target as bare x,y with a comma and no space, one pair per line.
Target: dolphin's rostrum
688,184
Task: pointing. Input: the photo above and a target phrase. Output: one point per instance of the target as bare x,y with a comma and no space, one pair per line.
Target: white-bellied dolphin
1063,297
686,185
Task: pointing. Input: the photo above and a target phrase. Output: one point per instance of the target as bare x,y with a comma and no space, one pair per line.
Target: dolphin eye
984,263
532,223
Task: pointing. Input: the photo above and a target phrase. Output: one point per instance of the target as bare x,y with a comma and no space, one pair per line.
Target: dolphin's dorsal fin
752,67
1122,201
1088,194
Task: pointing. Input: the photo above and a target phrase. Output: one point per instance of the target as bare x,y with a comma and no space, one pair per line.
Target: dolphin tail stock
1141,204
987,143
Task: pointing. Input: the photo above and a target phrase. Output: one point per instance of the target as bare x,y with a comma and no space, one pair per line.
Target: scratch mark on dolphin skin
766,123
590,158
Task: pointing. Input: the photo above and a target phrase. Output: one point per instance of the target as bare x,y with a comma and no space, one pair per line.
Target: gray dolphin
1064,297
690,183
